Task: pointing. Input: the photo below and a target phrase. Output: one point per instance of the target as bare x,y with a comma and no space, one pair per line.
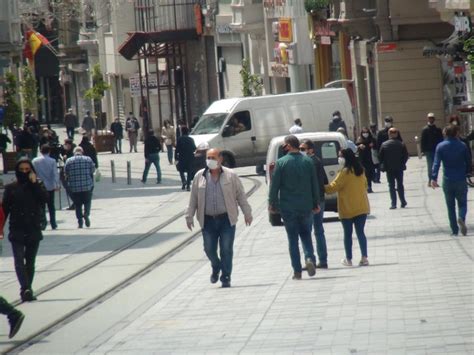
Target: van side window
240,122
327,152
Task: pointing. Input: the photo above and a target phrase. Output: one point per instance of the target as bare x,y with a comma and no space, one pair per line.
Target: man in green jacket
294,191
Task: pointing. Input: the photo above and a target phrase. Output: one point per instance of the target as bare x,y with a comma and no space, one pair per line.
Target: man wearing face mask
431,136
215,196
336,122
23,202
393,156
382,135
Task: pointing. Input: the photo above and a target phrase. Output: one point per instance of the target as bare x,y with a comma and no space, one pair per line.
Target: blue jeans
298,224
319,233
118,145
169,150
218,231
154,159
359,224
429,161
455,191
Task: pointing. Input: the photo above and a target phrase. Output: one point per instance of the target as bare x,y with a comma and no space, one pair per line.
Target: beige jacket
232,189
168,135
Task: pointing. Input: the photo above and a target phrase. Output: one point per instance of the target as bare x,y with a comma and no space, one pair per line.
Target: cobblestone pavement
416,297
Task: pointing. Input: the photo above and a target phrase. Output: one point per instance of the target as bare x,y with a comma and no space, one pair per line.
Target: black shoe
158,182
322,266
54,226
296,276
188,188
214,277
393,207
370,191
225,281
87,222
79,225
183,187
15,319
28,296
404,204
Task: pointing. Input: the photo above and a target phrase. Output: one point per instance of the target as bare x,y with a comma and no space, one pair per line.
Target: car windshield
210,123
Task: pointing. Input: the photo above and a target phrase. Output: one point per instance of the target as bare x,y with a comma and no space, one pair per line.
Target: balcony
247,16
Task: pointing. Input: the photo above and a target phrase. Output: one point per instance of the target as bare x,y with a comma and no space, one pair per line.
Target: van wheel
228,159
260,170
275,219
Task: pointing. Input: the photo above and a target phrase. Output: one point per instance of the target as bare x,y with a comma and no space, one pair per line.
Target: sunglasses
303,149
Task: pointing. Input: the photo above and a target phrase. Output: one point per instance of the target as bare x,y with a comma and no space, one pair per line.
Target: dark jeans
117,145
24,256
186,180
319,233
455,191
359,224
155,160
392,177
70,132
369,174
5,307
169,150
218,231
51,209
83,198
429,161
376,173
298,226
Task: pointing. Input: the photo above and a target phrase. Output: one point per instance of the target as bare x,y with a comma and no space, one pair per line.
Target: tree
29,90
12,110
469,49
252,84
97,91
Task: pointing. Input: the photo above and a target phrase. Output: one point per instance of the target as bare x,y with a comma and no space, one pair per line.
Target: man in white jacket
216,194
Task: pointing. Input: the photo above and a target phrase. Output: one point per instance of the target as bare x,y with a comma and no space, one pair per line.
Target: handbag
97,175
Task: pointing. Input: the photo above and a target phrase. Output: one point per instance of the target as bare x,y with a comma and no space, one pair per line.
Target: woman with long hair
352,203
365,143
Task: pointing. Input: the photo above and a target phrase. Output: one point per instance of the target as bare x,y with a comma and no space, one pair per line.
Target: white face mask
305,153
365,135
341,161
388,124
454,123
212,164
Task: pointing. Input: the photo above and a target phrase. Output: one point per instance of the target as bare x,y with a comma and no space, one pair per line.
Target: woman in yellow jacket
352,202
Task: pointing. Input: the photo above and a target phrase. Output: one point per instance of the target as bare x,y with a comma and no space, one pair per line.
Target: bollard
418,147
129,173
112,167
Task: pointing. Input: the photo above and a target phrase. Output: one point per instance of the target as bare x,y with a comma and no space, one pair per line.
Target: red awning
136,40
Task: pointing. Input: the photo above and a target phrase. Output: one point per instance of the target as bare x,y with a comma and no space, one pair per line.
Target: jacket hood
22,161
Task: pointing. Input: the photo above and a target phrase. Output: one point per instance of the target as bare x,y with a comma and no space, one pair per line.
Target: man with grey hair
79,171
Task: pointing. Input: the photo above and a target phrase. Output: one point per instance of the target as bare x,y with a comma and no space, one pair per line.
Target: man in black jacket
152,156
393,156
430,137
23,202
184,156
336,122
307,148
382,135
117,129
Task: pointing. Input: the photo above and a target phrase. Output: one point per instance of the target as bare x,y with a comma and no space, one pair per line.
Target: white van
244,126
327,145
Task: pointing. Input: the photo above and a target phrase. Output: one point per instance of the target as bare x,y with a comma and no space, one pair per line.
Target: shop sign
224,28
460,94
152,83
386,47
326,40
285,31
272,3
280,70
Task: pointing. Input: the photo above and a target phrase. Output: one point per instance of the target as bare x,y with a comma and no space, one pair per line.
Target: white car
327,145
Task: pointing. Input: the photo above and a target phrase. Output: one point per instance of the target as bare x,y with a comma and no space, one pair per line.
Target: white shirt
47,171
295,129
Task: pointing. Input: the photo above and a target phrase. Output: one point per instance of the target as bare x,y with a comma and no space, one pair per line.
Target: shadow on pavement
256,285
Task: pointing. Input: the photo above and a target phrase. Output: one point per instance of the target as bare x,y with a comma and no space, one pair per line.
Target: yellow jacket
351,191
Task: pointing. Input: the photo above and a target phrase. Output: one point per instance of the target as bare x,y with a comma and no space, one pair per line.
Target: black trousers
5,307
24,256
186,180
70,132
51,209
83,198
396,177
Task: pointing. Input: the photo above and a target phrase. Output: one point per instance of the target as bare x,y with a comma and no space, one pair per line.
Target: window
327,152
210,123
240,122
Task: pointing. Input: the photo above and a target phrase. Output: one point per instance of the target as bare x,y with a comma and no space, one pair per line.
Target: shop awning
136,41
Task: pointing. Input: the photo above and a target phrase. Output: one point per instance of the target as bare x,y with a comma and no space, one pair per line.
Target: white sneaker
346,262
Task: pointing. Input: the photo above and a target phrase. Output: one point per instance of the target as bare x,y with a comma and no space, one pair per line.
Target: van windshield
210,123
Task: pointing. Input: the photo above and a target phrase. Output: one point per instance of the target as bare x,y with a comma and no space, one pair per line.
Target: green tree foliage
315,5
12,110
469,49
99,86
251,83
29,90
